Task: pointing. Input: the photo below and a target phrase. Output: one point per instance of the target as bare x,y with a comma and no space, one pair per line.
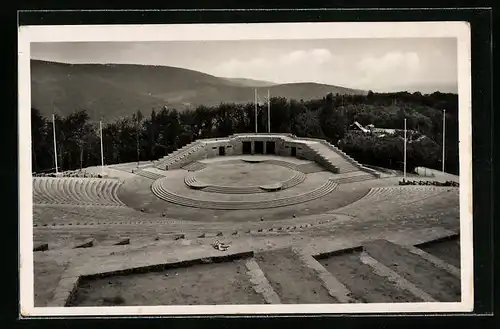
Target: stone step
367,284
292,280
424,274
76,191
159,190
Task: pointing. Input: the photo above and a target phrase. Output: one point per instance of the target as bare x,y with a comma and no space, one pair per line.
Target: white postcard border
186,32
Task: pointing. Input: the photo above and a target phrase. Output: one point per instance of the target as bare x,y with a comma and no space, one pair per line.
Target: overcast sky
376,64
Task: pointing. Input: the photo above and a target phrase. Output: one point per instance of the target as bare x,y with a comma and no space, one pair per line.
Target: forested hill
115,90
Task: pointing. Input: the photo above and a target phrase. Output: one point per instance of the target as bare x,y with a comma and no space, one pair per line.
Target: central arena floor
243,174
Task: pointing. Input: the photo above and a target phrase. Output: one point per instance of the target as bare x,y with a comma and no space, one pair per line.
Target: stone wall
234,146
283,146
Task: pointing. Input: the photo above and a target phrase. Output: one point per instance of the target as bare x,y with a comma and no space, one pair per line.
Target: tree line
140,137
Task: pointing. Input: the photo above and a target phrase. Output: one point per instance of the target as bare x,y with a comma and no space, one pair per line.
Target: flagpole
55,147
268,112
255,110
404,173
102,152
444,134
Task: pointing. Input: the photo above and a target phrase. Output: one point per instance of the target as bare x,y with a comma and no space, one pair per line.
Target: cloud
321,55
389,69
287,67
359,70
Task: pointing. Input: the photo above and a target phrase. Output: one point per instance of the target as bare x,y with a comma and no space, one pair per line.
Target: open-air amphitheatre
247,219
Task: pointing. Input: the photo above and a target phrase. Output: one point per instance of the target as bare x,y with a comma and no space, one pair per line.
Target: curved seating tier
388,199
78,191
295,180
192,182
161,192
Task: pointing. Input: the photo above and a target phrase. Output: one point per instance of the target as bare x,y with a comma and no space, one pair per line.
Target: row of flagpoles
268,130
268,111
55,144
443,148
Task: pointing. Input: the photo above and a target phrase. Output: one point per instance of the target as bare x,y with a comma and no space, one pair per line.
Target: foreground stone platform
268,274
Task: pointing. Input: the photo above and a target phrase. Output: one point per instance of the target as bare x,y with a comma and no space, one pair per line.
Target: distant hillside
251,82
113,90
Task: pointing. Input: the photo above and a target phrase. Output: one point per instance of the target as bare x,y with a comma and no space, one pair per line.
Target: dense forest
151,136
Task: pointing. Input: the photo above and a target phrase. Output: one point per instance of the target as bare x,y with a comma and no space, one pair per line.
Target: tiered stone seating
78,191
295,180
151,173
386,200
353,177
160,191
194,166
70,173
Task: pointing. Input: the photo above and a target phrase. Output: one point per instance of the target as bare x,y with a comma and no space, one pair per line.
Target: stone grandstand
290,209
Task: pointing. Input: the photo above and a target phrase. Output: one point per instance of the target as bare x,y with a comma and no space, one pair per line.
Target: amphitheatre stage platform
291,210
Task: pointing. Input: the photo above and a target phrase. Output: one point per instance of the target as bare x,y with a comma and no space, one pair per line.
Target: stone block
178,236
86,244
122,242
41,247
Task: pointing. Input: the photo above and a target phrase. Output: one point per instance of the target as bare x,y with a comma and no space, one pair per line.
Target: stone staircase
151,173
333,158
184,152
352,177
336,160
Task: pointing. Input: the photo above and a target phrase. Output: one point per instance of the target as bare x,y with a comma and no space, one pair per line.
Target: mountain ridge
115,90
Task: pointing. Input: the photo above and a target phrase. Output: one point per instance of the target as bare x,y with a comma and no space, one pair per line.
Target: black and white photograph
245,168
